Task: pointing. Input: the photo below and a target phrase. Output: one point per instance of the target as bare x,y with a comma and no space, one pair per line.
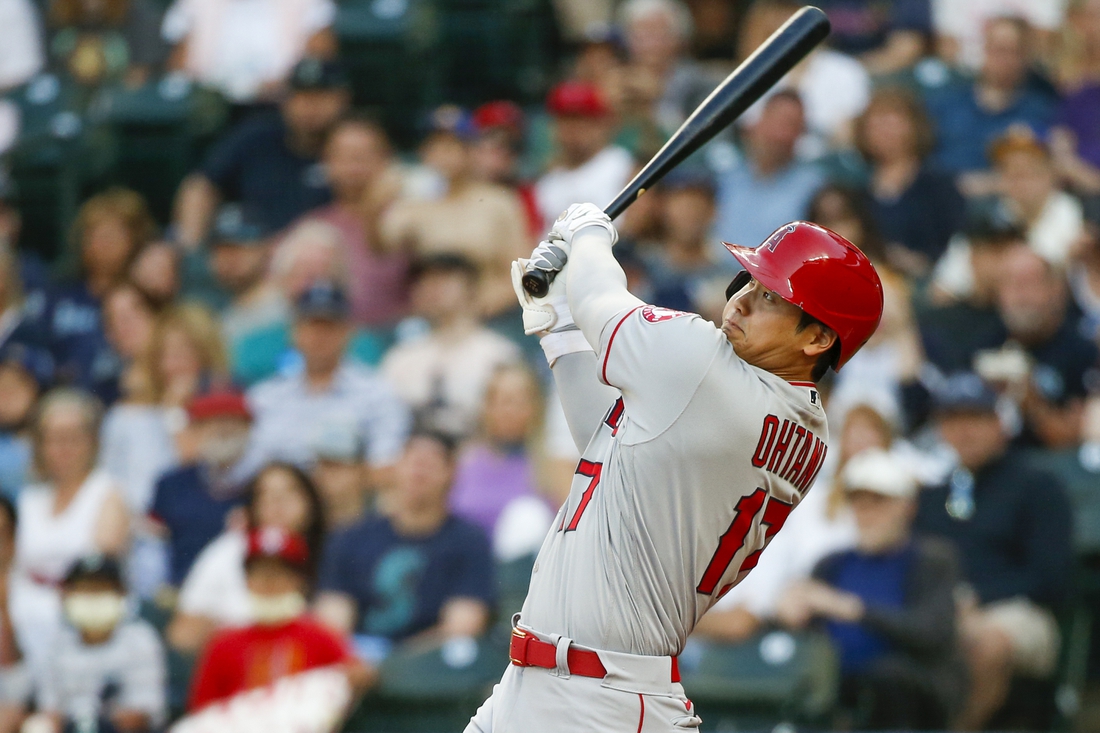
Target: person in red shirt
283,641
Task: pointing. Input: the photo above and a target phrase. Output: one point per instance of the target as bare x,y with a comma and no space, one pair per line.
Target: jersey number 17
730,543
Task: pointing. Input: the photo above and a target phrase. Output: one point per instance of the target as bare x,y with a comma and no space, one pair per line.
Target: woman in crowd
129,320
895,137
215,593
76,511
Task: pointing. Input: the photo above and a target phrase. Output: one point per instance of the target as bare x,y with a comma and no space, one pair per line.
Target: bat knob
537,282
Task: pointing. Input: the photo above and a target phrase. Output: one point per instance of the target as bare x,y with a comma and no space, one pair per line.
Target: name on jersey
789,451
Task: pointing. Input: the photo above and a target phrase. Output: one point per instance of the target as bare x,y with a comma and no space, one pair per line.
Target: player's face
763,328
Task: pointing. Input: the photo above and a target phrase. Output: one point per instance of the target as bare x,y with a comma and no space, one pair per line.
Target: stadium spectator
969,116
497,155
77,510
157,273
587,166
1075,139
110,229
98,43
104,670
25,373
16,686
961,26
215,593
442,375
365,181
20,324
1084,273
886,40
481,221
767,186
282,639
291,410
341,475
1045,362
185,358
21,54
416,571
240,257
247,52
895,137
191,502
270,163
888,605
498,483
1011,526
129,320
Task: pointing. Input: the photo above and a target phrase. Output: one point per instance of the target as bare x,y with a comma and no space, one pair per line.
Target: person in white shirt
588,167
20,43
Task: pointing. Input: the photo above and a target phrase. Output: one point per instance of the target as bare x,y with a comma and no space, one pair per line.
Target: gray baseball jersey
690,474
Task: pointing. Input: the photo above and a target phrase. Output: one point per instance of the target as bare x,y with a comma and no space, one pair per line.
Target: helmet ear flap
739,281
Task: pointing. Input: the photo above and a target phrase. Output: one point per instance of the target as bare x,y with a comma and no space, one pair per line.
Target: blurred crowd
299,423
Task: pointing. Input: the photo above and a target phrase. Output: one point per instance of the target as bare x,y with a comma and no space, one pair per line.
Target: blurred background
267,411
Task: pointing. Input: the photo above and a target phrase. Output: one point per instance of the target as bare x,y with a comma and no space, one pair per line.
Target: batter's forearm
596,286
584,398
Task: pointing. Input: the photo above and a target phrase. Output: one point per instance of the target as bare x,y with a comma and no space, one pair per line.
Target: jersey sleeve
656,357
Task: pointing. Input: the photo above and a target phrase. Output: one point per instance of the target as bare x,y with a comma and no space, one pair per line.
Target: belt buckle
518,646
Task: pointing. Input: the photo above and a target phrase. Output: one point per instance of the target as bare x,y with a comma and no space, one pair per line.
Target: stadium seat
775,677
513,579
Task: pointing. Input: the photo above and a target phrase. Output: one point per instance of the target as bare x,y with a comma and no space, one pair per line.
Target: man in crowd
270,164
341,475
1011,526
767,185
443,374
888,605
290,410
416,571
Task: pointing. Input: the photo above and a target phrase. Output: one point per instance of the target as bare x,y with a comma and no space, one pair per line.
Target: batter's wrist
557,344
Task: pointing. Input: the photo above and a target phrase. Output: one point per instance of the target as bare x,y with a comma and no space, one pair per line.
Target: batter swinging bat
740,90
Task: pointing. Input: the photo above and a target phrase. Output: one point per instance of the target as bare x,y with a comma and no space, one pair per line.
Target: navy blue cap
323,299
964,392
236,225
95,567
318,74
34,360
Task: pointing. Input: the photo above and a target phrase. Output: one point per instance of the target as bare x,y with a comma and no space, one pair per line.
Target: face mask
275,610
224,451
94,612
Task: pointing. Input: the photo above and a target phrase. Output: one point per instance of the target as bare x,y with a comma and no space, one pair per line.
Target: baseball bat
739,91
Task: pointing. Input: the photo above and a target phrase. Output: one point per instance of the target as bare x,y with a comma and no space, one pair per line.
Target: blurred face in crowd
106,248
863,429
579,138
494,158
882,522
322,342
1006,55
156,272
180,358
1028,179
833,210
773,137
280,501
355,155
888,133
511,407
687,215
987,261
309,259
276,590
222,440
18,393
95,606
129,322
1032,297
977,437
67,446
341,482
423,475
240,267
310,114
440,295
652,39
448,154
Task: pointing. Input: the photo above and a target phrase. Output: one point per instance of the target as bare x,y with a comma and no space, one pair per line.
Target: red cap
577,99
278,543
499,114
823,274
218,404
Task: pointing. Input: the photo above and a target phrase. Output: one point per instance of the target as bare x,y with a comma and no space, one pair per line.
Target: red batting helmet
823,274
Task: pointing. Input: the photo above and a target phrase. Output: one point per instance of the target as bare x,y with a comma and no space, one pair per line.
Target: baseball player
697,443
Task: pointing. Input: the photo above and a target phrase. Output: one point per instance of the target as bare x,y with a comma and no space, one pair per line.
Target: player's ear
820,338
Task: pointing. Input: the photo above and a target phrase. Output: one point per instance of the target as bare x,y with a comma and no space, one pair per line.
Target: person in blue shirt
270,163
414,570
888,605
970,115
886,35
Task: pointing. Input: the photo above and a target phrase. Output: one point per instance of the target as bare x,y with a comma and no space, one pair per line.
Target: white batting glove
578,217
542,315
550,256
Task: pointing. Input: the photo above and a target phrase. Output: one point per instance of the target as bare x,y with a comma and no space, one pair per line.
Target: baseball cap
273,542
338,441
577,99
36,361
218,404
323,299
236,225
499,114
880,472
964,392
311,74
94,567
1017,138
